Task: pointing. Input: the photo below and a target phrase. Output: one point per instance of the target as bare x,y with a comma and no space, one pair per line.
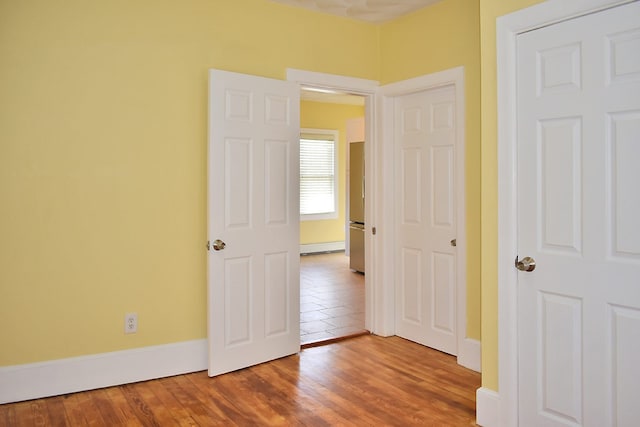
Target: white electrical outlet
131,323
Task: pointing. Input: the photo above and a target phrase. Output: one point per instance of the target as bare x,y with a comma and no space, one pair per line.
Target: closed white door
253,214
578,217
425,215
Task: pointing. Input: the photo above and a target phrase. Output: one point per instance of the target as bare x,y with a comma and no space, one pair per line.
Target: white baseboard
487,407
56,377
321,247
469,354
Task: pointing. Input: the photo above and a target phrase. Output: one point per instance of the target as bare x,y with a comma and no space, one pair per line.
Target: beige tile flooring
331,298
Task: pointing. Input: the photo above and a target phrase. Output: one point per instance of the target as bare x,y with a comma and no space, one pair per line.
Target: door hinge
208,245
373,231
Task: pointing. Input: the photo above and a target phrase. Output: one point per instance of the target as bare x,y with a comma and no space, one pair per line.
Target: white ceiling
364,10
331,98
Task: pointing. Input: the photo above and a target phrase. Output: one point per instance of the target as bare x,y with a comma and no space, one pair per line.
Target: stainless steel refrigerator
356,206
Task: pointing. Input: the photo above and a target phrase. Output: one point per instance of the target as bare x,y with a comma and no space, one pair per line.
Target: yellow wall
443,36
489,11
103,152
103,157
318,115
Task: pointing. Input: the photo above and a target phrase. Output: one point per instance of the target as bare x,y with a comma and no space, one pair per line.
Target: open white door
578,126
253,220
426,223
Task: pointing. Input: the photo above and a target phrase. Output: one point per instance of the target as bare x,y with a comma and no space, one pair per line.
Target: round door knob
526,264
218,245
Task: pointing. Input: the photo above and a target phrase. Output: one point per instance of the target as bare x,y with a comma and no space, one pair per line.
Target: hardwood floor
364,381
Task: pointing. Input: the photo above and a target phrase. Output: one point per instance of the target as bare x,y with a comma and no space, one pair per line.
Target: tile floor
331,298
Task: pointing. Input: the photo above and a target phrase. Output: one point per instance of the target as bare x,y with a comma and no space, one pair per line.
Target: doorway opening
332,263
331,299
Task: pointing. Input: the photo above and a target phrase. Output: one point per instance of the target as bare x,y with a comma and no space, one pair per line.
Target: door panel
442,168
625,327
237,192
412,302
623,175
578,203
561,369
237,304
561,185
277,291
425,212
253,282
443,292
277,158
411,186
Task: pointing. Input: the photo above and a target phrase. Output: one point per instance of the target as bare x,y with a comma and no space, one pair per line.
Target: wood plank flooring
364,381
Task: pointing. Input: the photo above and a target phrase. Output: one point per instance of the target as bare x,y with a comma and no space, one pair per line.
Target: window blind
317,176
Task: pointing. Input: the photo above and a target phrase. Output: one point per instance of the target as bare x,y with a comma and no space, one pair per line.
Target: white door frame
468,351
373,261
379,163
508,28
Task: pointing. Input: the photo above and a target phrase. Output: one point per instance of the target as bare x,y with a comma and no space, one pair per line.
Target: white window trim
332,134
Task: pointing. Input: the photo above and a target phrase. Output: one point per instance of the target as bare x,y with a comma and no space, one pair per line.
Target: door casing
367,89
468,351
379,211
508,28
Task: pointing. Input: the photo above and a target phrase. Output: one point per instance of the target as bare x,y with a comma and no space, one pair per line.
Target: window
318,177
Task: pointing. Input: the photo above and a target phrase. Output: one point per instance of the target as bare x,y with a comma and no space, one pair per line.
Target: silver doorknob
526,264
218,245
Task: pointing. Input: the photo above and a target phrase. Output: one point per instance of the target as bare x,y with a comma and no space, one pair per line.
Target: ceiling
375,11
307,94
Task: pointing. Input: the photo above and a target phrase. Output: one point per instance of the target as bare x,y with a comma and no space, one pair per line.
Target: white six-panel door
425,212
253,207
579,218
